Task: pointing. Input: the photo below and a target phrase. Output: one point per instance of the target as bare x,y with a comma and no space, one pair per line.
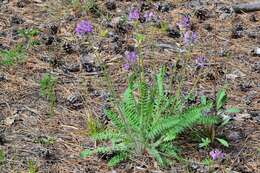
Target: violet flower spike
216,154
134,14
130,58
189,37
184,24
83,27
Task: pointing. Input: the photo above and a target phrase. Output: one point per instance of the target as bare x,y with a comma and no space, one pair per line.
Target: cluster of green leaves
2,156
47,85
218,119
29,35
32,167
12,56
147,122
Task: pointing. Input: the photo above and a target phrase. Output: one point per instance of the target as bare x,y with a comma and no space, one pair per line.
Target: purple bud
200,61
184,23
134,14
216,154
189,37
148,16
130,59
83,27
126,66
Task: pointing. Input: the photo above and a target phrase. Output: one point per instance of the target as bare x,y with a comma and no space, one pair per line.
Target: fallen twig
246,7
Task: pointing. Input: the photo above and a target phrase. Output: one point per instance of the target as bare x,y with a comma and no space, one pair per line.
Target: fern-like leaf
117,159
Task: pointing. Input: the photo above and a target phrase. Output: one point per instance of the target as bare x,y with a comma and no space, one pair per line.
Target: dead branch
246,7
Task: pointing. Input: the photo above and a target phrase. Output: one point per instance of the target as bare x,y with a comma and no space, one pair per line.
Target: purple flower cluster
130,59
200,61
83,27
134,14
216,154
189,37
184,23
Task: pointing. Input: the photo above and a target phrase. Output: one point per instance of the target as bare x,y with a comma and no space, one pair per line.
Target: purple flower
130,59
83,27
200,61
148,15
216,154
184,23
189,37
134,14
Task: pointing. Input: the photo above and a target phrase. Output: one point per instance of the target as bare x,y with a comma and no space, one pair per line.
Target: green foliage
47,84
13,56
223,142
204,143
146,121
139,38
93,125
32,167
2,156
29,35
164,26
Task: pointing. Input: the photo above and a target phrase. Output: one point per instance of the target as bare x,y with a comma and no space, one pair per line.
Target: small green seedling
222,115
47,85
32,167
223,142
29,35
104,33
204,143
164,26
93,126
139,38
13,56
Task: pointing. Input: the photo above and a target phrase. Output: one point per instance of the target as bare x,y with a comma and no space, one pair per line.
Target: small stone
256,52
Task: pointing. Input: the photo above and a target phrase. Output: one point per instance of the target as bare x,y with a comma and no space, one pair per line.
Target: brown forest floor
24,123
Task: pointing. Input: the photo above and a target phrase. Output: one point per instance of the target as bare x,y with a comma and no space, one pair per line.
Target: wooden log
246,7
